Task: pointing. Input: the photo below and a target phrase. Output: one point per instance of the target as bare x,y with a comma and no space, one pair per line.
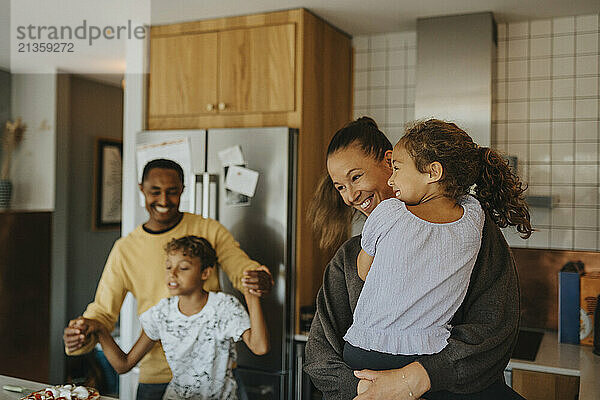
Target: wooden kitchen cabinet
235,71
183,75
285,68
256,69
544,386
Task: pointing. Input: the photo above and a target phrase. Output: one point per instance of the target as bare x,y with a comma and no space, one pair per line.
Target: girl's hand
258,282
395,383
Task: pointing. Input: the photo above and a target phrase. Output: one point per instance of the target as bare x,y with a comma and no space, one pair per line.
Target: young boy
197,329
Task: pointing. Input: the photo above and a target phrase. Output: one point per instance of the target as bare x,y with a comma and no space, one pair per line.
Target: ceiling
356,17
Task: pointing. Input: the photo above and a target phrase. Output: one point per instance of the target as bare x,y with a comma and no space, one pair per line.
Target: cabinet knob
222,106
210,107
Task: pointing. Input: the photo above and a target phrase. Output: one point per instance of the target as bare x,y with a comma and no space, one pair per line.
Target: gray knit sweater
483,334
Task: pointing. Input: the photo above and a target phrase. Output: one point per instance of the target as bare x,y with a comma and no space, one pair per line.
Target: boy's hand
258,282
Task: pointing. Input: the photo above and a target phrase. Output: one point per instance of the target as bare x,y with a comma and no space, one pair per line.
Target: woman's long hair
329,216
465,164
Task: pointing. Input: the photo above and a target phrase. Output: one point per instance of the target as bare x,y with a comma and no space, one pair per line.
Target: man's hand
75,334
258,282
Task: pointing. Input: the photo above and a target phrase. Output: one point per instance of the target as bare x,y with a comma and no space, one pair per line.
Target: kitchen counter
557,358
35,386
565,359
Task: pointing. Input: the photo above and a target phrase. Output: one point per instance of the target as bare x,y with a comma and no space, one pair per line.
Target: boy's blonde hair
195,247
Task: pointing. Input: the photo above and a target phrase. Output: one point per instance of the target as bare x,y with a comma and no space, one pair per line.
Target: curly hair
195,247
465,164
329,217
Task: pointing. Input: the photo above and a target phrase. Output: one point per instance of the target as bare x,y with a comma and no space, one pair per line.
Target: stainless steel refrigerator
264,225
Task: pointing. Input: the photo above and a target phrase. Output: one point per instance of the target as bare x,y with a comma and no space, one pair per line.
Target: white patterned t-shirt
200,348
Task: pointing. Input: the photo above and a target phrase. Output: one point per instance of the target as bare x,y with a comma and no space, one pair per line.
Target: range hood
455,62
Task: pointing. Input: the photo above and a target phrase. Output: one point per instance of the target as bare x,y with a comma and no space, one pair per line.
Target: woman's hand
395,383
259,281
363,385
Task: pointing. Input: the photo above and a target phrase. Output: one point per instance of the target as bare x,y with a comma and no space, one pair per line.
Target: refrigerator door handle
205,194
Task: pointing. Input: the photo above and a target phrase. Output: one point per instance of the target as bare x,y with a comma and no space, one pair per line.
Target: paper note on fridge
231,156
241,180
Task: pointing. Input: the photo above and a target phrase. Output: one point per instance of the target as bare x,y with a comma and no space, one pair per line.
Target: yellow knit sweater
136,264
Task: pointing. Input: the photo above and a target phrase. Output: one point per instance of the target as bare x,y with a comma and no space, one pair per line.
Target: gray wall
96,110
5,100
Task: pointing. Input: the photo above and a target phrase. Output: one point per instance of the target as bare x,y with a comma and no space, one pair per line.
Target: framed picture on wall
108,160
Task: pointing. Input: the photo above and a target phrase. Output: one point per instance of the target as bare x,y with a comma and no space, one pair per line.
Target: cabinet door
257,69
544,386
183,75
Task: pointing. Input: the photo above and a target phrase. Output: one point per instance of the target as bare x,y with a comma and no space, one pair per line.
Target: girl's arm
363,263
257,337
120,361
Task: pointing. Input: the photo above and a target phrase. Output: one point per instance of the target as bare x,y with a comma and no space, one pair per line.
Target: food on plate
64,392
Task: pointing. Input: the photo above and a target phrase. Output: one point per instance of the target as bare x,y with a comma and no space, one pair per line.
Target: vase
5,193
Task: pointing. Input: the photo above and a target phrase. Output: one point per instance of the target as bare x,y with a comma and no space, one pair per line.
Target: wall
33,165
545,112
5,100
546,103
96,110
384,80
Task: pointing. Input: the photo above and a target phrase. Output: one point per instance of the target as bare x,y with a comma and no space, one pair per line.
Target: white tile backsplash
585,240
540,131
561,238
587,43
586,217
587,86
563,109
586,108
562,174
563,152
586,153
541,68
586,23
563,45
539,239
563,87
517,90
562,131
540,46
518,29
586,131
563,25
586,195
540,27
517,69
545,110
587,65
539,109
563,66
518,48
540,89
586,174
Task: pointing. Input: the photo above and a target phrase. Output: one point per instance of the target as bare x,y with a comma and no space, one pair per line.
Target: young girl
197,329
419,248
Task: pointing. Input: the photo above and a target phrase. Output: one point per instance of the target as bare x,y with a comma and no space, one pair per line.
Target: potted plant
13,135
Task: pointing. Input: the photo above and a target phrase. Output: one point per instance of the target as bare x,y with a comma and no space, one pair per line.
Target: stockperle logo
77,36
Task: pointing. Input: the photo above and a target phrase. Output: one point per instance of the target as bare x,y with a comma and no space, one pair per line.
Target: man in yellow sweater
136,264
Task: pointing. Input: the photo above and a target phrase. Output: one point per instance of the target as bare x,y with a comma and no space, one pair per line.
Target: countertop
565,359
35,386
558,358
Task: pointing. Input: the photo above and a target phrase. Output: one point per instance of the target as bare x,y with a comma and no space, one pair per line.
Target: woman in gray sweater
484,328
